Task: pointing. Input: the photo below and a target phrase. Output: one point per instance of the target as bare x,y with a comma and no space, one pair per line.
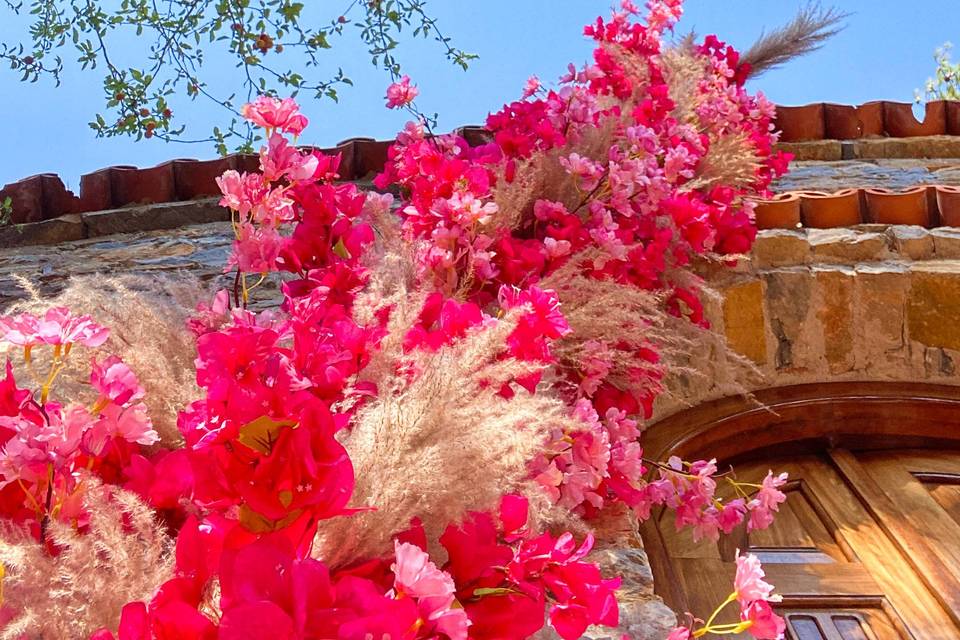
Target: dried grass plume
808,31
124,557
439,446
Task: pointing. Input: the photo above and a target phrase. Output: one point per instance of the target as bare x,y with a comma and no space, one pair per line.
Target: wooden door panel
840,574
947,496
854,514
841,624
920,513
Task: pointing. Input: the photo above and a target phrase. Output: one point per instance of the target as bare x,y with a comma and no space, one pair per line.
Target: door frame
797,419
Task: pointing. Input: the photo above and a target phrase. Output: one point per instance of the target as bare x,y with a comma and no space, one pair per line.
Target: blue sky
885,53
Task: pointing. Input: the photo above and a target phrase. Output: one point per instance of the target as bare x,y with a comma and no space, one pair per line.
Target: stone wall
866,303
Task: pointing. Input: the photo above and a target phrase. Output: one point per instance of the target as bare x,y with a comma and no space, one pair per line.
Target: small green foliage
945,85
276,47
6,211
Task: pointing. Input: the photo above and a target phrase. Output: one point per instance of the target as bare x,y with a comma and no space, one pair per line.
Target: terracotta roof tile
925,205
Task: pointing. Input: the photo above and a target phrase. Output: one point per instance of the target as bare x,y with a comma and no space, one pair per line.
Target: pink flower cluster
262,463
636,219
58,326
753,595
274,114
401,93
47,446
689,489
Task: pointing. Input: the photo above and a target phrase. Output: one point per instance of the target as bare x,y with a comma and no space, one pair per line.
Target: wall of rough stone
872,302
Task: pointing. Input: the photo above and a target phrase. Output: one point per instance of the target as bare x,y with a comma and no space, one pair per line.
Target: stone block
934,306
155,216
788,307
919,147
780,247
910,241
643,616
879,308
53,231
938,363
834,309
846,246
946,243
743,320
823,150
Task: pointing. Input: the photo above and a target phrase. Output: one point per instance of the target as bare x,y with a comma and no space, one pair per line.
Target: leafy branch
276,46
945,85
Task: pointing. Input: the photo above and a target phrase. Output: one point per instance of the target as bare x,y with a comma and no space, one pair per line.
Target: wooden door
843,570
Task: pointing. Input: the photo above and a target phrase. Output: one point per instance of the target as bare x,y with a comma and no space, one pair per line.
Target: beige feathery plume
440,445
124,557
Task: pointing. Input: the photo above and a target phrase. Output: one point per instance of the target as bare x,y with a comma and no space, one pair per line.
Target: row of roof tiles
44,196
826,121
926,205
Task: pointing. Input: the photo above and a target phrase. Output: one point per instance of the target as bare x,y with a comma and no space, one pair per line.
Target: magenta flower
749,584
241,191
128,423
273,113
58,326
531,87
680,633
115,381
40,441
764,623
279,159
417,577
766,502
255,249
400,94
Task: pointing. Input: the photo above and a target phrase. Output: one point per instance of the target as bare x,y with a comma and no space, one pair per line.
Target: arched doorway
867,545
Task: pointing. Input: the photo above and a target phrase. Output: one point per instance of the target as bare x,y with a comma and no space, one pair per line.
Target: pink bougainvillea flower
279,160
11,396
770,495
416,576
256,249
58,326
764,623
273,113
42,440
128,423
531,87
748,583
210,317
766,501
402,93
115,381
21,329
241,191
680,633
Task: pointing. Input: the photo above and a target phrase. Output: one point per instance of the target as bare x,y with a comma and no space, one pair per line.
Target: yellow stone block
835,313
743,320
933,314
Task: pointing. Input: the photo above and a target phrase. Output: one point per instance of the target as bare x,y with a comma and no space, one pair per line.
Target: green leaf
261,434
